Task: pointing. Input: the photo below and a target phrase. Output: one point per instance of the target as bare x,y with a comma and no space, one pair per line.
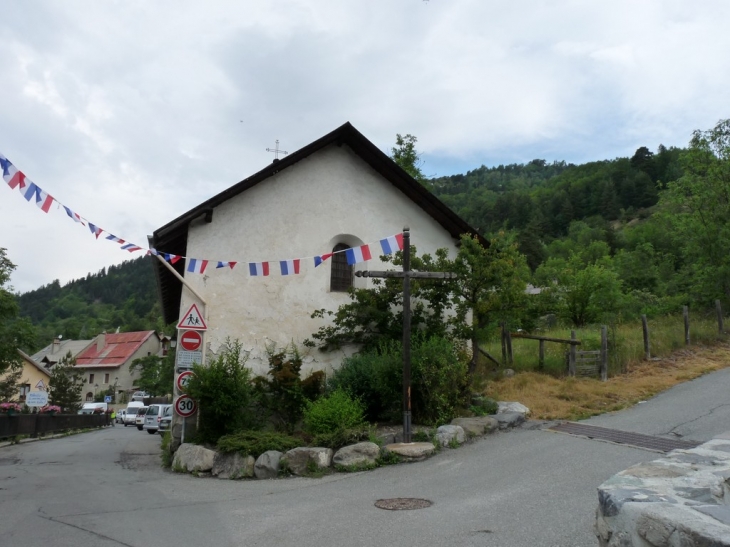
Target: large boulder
476,426
507,420
298,459
410,452
360,454
447,434
193,458
267,465
504,407
233,466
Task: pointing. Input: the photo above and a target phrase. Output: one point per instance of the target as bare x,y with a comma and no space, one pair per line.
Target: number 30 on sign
185,406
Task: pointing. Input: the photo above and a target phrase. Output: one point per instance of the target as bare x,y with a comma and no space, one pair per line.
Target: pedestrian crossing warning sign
192,320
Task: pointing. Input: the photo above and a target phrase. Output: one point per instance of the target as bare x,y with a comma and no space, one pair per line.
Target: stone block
446,434
233,466
192,457
476,426
411,452
298,459
267,465
364,453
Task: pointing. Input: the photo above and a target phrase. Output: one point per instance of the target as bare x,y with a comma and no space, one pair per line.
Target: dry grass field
553,398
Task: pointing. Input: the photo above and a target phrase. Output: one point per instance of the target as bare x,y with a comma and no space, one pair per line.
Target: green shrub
375,378
342,437
439,379
484,406
337,411
224,394
255,443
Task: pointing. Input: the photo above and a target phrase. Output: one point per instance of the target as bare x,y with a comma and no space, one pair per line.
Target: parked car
165,421
139,396
139,418
91,408
120,416
152,418
131,412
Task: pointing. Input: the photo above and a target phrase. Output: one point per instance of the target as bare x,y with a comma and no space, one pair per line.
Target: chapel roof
172,237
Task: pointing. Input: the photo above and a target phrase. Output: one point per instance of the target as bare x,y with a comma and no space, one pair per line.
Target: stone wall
681,499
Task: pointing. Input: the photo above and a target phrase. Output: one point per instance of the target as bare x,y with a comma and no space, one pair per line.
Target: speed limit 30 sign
185,406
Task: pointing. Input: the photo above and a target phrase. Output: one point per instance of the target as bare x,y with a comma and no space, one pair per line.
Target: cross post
407,274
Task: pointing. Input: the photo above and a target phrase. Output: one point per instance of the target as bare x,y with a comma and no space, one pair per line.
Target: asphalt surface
526,487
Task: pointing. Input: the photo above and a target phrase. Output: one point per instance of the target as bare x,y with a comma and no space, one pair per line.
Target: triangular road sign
192,320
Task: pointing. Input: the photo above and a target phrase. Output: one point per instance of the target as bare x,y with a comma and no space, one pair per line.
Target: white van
90,408
131,412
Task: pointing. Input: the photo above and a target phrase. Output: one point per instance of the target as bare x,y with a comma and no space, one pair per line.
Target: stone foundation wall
679,500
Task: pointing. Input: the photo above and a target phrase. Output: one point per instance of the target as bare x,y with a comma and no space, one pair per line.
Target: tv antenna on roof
276,150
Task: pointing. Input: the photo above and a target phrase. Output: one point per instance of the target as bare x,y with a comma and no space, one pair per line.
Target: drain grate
403,504
638,440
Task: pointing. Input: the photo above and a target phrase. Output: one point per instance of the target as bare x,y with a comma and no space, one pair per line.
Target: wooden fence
40,424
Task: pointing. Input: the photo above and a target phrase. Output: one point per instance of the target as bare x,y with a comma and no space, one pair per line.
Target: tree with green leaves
66,384
404,153
157,374
490,287
15,332
698,205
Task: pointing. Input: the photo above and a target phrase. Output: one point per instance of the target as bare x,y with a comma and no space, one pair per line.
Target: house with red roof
107,360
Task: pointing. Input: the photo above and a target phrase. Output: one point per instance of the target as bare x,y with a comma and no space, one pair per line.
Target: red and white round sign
185,406
191,340
183,379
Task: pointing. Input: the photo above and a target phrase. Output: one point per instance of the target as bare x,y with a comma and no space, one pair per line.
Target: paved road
524,488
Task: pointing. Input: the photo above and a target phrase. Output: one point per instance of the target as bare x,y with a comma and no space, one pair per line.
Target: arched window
341,276
89,396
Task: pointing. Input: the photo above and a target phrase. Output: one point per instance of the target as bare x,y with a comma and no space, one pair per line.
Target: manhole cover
403,504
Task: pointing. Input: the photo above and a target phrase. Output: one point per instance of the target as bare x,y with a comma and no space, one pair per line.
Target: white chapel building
338,192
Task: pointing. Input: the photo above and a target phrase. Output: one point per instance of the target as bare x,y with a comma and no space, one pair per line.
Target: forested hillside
120,297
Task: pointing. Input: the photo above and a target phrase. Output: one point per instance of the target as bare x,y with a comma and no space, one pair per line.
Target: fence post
685,313
504,347
718,308
604,353
541,359
509,346
645,328
571,355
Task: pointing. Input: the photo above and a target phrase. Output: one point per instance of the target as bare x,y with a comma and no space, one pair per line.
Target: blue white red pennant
32,192
289,267
320,259
258,268
74,216
196,265
358,254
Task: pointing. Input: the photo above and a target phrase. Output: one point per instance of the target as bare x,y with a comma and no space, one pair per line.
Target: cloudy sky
132,112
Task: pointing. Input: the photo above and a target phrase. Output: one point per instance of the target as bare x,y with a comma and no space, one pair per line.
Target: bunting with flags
44,201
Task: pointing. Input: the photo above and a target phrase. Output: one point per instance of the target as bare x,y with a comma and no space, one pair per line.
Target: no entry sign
191,340
185,406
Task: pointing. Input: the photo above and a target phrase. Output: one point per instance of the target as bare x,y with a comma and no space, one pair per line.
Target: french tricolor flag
76,217
358,254
95,230
258,268
131,247
12,176
171,258
392,244
196,265
110,237
226,264
29,193
289,267
319,259
42,200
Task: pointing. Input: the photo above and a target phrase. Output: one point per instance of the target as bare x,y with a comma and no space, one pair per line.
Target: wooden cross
276,150
407,275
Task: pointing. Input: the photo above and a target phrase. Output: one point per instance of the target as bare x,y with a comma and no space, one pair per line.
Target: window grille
342,272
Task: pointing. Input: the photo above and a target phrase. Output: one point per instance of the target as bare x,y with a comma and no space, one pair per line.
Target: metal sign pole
406,335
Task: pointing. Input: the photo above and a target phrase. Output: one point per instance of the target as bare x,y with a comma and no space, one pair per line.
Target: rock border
309,461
